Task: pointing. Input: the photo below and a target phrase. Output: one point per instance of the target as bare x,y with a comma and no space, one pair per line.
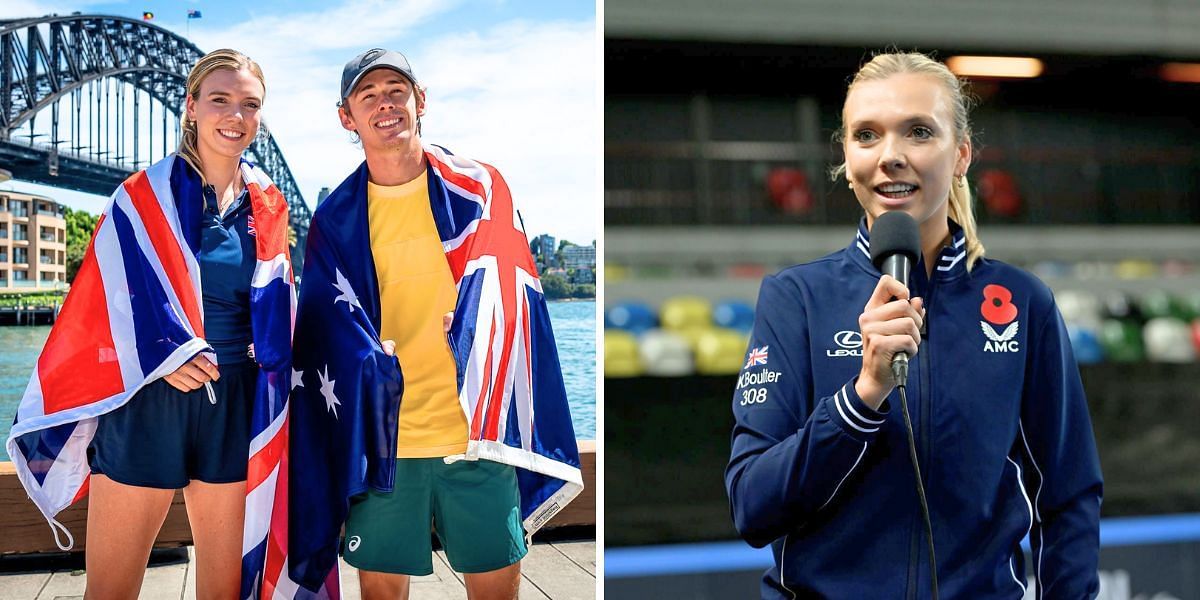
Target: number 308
753,396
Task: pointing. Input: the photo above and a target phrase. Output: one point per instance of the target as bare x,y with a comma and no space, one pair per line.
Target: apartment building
33,243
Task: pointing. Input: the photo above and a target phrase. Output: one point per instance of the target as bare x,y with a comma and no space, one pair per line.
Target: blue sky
512,83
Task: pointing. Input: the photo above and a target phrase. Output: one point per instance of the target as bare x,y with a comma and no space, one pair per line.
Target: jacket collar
951,261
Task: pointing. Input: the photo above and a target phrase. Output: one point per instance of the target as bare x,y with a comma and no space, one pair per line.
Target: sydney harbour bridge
85,100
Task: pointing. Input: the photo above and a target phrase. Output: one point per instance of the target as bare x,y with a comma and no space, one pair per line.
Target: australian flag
347,391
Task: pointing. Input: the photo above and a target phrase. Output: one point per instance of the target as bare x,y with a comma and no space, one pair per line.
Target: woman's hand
193,374
888,326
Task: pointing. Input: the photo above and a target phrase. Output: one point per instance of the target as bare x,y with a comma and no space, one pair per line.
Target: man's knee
383,586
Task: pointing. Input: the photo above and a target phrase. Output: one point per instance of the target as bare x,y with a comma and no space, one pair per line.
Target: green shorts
474,506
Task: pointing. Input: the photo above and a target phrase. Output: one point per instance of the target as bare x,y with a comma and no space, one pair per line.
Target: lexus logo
848,339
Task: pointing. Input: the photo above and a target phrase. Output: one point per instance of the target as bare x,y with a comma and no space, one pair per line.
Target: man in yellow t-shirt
473,505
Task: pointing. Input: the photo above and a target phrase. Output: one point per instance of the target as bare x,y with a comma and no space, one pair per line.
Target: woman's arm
790,457
1065,482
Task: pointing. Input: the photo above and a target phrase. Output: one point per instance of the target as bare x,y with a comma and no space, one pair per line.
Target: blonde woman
150,376
820,465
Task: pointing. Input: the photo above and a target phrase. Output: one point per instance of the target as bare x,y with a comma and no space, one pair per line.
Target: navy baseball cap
370,60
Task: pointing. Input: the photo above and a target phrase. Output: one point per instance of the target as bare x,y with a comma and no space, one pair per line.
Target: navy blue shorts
164,438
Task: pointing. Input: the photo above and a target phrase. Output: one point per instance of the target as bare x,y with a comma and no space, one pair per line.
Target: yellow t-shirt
415,290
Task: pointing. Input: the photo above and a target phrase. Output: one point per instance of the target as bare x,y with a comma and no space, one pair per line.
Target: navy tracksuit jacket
1002,430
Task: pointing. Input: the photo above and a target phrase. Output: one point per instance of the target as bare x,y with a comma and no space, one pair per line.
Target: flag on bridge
348,392
147,16
193,14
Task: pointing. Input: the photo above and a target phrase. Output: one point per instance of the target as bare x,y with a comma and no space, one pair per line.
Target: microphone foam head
894,232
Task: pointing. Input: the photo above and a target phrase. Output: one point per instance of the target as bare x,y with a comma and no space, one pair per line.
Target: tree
80,225
555,287
558,255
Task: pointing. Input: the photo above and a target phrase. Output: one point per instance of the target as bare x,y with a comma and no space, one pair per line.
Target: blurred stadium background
718,119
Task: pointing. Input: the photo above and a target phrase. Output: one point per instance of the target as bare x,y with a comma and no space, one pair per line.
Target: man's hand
447,319
193,374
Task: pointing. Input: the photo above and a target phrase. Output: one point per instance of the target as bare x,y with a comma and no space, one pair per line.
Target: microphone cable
900,374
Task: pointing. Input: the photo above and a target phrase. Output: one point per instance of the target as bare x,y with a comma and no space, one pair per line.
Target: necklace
223,204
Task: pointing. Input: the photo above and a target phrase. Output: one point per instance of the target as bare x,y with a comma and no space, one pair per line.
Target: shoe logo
850,343
998,309
354,542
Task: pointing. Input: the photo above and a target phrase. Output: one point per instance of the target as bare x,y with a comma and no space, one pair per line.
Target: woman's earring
849,185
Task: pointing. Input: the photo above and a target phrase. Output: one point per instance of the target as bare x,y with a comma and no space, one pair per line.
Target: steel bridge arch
34,74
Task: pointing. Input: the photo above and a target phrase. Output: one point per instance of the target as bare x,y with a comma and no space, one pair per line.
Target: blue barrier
716,557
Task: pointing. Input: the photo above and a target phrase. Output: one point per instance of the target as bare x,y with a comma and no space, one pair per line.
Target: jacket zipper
922,424
926,403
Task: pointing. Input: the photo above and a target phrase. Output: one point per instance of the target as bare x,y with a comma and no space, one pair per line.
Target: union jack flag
758,356
134,314
348,393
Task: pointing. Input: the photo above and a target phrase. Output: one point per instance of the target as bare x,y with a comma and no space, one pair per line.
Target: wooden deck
551,571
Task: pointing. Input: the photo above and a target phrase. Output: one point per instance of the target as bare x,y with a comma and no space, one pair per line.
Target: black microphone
895,245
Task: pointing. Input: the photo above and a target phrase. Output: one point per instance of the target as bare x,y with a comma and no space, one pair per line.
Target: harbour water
574,331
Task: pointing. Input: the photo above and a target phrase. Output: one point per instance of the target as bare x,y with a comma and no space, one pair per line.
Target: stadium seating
721,351
621,354
686,312
666,354
698,337
633,317
734,314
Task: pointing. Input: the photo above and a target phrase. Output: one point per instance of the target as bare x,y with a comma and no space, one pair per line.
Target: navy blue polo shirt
227,260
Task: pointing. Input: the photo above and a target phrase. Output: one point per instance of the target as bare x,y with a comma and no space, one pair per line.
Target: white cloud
520,95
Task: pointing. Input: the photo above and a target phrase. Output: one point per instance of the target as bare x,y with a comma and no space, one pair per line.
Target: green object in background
1158,303
1122,341
34,299
1189,305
